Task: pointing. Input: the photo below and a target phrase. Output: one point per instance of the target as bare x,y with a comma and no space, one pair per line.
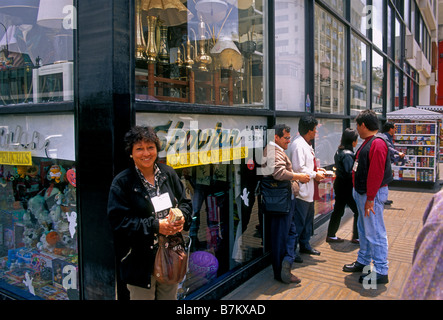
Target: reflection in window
377,23
397,45
329,45
397,88
389,86
360,15
327,140
36,51
338,5
205,52
326,144
290,57
390,50
359,65
377,82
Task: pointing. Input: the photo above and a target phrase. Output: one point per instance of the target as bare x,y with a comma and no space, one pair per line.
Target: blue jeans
303,222
372,232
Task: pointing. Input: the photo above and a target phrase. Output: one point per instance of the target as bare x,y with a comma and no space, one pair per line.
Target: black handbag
276,195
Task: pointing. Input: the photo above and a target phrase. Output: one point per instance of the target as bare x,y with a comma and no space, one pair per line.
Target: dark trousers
343,197
304,222
278,231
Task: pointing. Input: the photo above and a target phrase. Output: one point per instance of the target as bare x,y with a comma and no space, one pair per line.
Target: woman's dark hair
141,133
306,124
369,118
347,138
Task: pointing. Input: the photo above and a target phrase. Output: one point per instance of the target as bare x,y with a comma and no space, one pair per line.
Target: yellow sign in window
16,158
190,159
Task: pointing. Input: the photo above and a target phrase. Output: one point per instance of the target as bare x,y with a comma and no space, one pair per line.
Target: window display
204,52
36,51
38,223
38,207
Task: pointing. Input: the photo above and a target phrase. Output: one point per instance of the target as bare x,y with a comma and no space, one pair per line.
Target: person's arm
120,214
281,172
376,172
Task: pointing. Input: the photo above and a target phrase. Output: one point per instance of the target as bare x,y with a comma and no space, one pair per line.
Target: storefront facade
210,77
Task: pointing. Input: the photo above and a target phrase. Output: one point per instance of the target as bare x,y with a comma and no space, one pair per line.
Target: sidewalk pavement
322,276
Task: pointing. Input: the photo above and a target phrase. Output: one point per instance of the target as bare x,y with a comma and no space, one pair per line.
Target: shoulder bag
276,195
171,260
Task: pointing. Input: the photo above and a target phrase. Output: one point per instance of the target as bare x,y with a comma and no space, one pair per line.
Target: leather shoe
295,279
298,259
310,251
379,278
353,267
332,240
285,273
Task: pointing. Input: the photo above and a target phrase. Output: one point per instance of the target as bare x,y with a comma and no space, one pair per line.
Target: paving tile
322,276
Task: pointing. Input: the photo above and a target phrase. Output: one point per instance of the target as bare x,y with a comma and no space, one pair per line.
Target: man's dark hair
306,124
347,138
280,128
388,126
369,118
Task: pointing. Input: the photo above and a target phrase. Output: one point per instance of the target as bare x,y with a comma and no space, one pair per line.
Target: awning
412,113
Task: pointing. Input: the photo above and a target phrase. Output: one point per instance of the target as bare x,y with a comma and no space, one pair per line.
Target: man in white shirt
302,157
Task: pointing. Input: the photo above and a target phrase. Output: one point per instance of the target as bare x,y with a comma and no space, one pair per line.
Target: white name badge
355,167
161,202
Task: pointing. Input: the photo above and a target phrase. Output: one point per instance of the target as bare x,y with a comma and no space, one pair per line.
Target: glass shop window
36,51
226,229
38,215
201,52
290,58
218,168
330,64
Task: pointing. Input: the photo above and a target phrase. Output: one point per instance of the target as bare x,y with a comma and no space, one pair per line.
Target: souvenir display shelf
419,141
441,145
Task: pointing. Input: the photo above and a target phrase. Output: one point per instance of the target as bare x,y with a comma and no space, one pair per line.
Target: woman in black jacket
139,202
344,161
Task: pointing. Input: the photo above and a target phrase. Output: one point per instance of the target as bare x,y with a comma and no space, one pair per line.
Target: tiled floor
322,276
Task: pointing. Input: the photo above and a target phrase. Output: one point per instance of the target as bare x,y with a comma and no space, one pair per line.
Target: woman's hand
168,228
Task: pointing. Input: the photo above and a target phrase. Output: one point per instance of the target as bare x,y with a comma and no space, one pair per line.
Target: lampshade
170,12
230,56
212,11
9,37
25,9
50,13
241,4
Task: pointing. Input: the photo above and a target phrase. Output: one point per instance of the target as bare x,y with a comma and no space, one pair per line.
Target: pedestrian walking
371,174
344,161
